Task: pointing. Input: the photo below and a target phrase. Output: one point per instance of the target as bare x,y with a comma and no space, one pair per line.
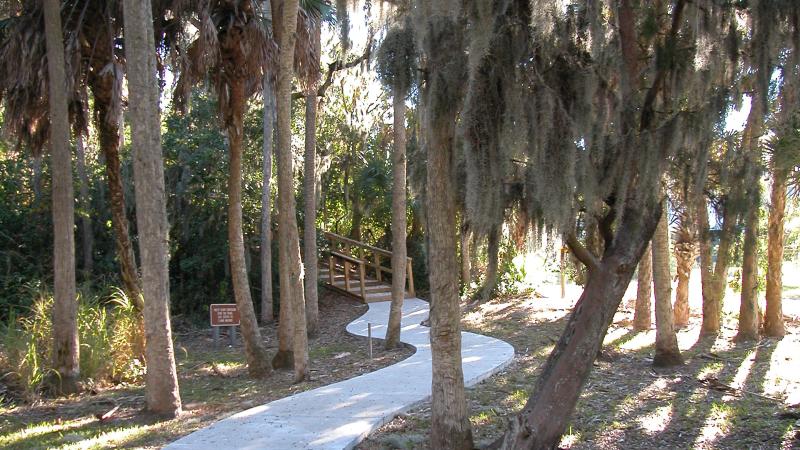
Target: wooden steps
358,270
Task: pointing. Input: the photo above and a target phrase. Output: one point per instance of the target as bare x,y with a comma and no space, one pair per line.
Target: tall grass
110,335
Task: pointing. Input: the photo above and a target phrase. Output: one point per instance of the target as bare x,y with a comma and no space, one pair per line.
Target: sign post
224,315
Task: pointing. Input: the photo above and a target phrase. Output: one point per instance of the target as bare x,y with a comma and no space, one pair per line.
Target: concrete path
340,415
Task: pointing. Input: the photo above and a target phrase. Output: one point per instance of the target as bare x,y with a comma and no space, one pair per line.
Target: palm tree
396,63
233,48
65,316
161,390
667,352
685,250
92,60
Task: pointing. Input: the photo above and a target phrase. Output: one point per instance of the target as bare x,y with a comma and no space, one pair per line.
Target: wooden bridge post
346,275
331,266
361,276
378,266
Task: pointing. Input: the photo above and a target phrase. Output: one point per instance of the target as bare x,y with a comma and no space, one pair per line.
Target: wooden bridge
357,269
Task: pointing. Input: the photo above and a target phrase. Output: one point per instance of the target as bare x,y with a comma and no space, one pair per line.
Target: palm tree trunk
310,195
289,242
257,361
748,308
667,352
161,391
267,311
399,219
109,137
773,317
65,317
684,258
714,280
87,238
643,311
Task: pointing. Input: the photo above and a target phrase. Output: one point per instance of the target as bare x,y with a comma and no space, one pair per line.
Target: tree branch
580,252
335,67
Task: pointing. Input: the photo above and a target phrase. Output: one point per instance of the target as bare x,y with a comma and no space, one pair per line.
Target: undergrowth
110,335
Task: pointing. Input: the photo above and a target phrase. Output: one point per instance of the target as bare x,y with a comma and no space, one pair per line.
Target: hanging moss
396,60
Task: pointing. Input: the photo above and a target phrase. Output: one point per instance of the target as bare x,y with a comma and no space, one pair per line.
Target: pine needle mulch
726,395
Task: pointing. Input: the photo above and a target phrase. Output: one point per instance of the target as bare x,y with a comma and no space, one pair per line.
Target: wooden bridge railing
352,254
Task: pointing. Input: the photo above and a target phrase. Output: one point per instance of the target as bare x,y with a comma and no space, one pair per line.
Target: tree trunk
643,311
257,360
109,138
748,308
399,219
289,242
773,317
714,280
546,414
161,390
466,269
267,311
87,238
310,195
667,352
684,257
65,318
36,165
489,286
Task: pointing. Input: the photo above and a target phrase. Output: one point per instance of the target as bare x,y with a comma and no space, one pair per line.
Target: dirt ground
726,395
213,383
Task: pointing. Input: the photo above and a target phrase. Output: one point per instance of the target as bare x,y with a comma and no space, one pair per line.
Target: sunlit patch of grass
570,438
716,425
484,417
518,399
711,369
656,421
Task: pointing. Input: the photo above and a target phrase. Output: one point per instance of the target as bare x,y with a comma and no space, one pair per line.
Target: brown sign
224,315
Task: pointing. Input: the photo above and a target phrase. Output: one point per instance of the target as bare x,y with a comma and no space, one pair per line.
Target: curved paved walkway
340,415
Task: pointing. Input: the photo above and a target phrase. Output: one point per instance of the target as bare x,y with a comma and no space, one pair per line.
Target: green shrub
110,335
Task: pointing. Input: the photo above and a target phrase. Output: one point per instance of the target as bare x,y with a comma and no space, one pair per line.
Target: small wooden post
347,275
215,334
410,277
378,273
361,274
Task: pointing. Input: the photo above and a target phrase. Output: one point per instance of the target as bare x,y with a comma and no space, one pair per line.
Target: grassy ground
213,384
727,395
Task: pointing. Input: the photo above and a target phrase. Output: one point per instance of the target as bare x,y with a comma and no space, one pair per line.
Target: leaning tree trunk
87,238
267,311
257,360
65,315
667,352
161,389
310,195
773,317
545,416
291,281
399,219
643,311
